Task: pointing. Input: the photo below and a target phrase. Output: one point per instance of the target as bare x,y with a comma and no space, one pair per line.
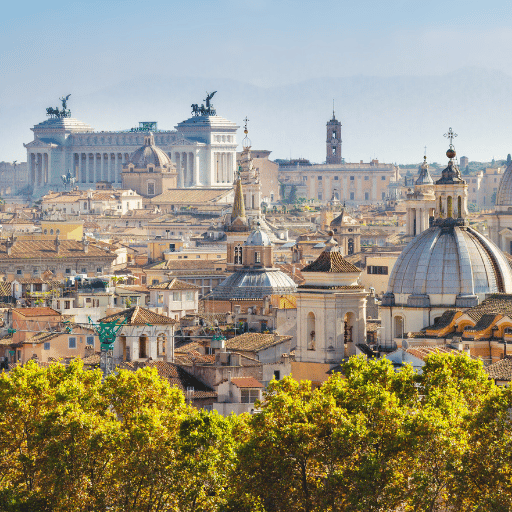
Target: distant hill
391,119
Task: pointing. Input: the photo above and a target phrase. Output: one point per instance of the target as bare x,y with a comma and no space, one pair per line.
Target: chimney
85,243
57,244
9,244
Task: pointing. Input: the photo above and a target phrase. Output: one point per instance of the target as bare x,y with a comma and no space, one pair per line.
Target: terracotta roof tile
253,342
501,370
44,249
246,382
139,316
43,311
174,284
330,261
190,196
496,303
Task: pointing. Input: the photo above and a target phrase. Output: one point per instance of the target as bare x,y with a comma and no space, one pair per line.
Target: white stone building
174,299
331,309
203,148
144,335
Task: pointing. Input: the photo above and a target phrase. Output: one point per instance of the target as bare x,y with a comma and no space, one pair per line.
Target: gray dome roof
504,194
254,284
449,260
258,237
424,177
149,154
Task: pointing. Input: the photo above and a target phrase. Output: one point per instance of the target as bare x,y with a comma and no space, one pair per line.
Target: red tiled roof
43,311
246,382
139,316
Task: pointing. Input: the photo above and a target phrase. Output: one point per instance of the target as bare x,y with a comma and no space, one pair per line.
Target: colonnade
187,167
94,167
418,220
223,162
39,168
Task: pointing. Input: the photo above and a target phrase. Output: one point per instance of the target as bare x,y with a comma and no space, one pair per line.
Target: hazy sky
51,47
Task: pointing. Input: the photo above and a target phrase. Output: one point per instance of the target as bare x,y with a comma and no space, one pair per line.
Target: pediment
183,142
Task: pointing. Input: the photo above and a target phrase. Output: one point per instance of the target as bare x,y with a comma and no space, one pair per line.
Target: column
418,221
109,167
32,163
49,167
195,156
102,167
39,168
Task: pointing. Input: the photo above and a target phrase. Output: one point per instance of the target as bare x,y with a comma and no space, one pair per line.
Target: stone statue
55,113
209,96
64,102
202,110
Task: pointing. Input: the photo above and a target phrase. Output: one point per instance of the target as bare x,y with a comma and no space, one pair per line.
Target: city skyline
256,54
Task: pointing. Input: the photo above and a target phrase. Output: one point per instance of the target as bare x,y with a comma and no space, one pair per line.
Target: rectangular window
366,178
257,257
320,195
99,269
160,298
352,195
18,272
90,340
383,178
366,196
277,374
176,296
71,342
319,178
46,345
189,296
249,396
67,304
84,270
68,271
151,189
336,178
352,178
304,178
375,269
383,195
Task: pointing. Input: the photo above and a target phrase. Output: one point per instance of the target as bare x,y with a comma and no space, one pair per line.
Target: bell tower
333,142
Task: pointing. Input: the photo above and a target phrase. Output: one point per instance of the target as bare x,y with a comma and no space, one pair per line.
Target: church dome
259,238
446,265
150,154
254,284
504,194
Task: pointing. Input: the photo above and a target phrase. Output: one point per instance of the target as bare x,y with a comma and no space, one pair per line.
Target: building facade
203,149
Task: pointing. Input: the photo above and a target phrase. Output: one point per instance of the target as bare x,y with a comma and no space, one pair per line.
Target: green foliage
370,439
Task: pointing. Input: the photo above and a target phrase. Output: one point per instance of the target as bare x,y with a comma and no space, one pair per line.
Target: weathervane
450,136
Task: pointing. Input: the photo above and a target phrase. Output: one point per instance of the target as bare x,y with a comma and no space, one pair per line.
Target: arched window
238,255
459,206
257,257
310,331
348,328
399,327
350,246
161,341
449,207
440,207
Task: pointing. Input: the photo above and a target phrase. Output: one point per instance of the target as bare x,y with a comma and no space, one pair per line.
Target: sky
50,48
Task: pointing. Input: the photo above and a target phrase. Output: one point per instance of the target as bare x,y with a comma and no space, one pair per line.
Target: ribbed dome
504,195
258,237
451,262
149,154
254,284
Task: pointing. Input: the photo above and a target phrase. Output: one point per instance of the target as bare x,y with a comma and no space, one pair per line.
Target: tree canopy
368,439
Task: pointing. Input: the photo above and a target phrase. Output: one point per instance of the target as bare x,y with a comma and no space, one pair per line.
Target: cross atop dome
246,143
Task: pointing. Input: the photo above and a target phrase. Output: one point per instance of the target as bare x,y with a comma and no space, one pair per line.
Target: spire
246,143
238,203
424,177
